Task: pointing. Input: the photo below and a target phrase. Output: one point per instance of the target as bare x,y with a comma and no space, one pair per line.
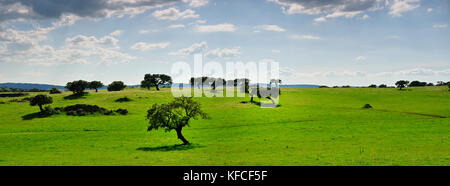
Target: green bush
55,91
116,86
124,99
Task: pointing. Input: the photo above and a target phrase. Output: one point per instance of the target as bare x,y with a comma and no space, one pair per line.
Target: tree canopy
95,85
116,86
401,84
41,100
77,87
155,80
174,115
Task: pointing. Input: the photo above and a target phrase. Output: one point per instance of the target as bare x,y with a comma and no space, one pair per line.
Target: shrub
124,99
55,91
382,86
14,95
122,111
116,86
367,106
83,110
372,86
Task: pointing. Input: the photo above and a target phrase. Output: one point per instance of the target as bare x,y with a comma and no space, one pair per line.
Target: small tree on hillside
401,84
40,100
175,115
147,82
372,86
155,80
116,86
382,86
55,91
77,87
95,85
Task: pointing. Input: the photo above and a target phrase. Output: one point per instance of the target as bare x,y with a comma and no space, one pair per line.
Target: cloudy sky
330,42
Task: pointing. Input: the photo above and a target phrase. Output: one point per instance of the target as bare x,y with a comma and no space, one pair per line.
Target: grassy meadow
311,127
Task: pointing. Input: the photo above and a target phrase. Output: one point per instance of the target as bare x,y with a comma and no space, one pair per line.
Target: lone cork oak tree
175,115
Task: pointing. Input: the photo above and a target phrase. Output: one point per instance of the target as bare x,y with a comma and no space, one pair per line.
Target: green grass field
311,127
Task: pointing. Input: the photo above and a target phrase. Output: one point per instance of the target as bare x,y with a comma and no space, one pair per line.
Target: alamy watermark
232,79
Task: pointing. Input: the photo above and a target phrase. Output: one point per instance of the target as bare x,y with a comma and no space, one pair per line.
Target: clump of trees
55,91
175,115
6,89
382,86
417,84
40,100
372,86
155,80
95,85
116,86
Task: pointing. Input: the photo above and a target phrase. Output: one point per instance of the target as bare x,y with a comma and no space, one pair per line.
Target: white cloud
226,27
320,19
226,53
401,6
360,58
275,28
440,26
429,10
92,41
25,47
365,16
117,33
200,21
174,14
344,8
193,49
143,46
416,72
148,31
275,51
296,37
176,26
196,3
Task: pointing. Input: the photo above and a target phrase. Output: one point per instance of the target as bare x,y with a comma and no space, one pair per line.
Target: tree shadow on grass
35,115
168,148
76,96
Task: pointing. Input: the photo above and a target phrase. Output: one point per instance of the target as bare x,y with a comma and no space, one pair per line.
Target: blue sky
330,42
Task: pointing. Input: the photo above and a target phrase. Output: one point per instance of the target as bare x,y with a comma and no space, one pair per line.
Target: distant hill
48,86
31,86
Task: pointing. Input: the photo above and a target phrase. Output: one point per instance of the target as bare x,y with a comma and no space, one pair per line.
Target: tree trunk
40,107
157,88
96,90
181,137
251,99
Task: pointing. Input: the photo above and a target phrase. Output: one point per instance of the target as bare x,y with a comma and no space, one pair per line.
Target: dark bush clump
367,106
83,110
1,102
124,99
55,91
122,111
14,95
